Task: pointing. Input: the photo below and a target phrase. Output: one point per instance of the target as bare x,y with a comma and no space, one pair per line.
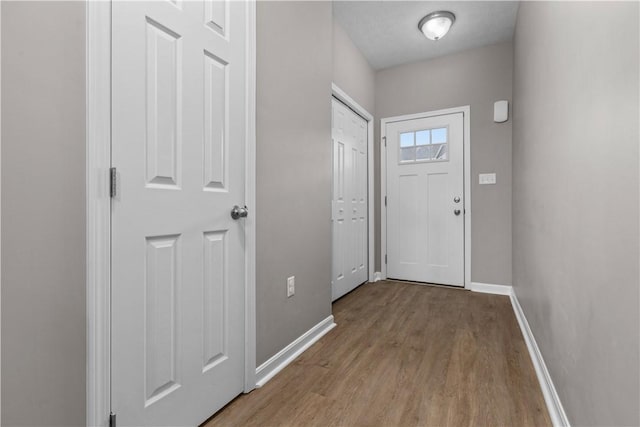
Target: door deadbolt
456,199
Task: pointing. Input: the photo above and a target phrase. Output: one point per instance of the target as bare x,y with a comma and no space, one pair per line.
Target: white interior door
349,205
178,111
425,200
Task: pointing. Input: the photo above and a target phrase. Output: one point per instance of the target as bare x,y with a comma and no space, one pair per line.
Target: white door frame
466,112
342,96
0,215
98,208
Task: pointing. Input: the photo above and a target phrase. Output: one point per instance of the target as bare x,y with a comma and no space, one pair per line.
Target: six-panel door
350,201
178,126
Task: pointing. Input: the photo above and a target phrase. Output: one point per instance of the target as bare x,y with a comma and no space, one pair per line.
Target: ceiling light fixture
435,25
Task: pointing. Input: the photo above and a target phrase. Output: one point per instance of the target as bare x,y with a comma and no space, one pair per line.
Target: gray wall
293,170
351,71
43,214
575,200
478,78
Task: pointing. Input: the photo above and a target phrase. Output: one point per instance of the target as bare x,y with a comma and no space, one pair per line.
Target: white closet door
349,218
178,256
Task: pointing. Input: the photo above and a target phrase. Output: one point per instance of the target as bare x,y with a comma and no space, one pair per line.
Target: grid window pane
442,153
431,152
424,146
406,139
408,154
423,137
439,136
425,152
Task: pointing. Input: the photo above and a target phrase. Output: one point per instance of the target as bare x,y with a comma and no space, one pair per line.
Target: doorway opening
426,197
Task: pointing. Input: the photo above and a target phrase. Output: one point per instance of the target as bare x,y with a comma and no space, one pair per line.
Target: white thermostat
501,111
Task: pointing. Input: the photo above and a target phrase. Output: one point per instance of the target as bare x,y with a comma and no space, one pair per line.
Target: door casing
466,112
342,96
98,208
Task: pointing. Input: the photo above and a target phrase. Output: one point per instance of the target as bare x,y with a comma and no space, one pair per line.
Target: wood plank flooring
404,355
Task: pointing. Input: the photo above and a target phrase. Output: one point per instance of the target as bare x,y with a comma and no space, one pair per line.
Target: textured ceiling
386,32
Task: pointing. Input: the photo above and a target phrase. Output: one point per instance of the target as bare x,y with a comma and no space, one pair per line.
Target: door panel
163,106
215,122
161,333
425,238
178,126
214,292
437,214
407,188
350,201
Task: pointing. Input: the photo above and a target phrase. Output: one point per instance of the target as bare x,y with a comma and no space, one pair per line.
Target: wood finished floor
404,355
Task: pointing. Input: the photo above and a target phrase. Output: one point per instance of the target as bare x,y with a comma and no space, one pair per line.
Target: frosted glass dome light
436,25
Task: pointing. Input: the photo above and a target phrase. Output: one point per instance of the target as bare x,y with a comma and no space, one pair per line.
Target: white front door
349,205
425,200
178,126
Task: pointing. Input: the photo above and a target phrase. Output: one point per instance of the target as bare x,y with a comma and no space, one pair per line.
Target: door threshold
435,285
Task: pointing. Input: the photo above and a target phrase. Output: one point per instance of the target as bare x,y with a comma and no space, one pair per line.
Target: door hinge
112,420
385,258
385,140
113,182
385,200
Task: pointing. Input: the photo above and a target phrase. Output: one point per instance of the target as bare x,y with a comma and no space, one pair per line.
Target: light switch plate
291,286
487,178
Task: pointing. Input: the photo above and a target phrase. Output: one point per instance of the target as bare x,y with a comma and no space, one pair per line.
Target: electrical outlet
291,286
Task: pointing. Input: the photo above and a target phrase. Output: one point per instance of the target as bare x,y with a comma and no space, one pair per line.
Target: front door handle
456,212
237,212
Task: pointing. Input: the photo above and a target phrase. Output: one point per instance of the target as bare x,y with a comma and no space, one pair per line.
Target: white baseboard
377,276
487,288
279,361
554,406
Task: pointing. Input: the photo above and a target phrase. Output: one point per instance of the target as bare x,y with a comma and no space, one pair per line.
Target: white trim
466,112
351,103
377,276
554,406
0,215
98,211
383,194
284,357
487,288
250,200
